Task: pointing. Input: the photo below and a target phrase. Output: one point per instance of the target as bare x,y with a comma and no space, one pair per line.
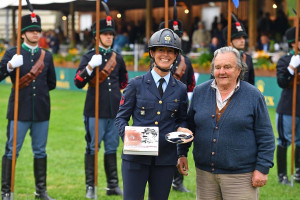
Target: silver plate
179,137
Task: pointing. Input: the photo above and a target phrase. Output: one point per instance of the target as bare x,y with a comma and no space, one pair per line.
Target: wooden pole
148,19
16,106
166,13
97,96
229,24
294,95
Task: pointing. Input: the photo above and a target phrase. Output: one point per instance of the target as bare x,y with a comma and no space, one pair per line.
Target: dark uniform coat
109,90
249,75
142,101
34,100
285,80
188,77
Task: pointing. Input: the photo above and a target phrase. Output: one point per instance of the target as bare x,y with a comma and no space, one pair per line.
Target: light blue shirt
157,77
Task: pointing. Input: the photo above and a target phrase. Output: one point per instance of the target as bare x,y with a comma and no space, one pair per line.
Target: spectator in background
54,42
214,25
214,44
219,34
223,20
87,38
201,37
43,42
264,43
280,25
120,41
265,24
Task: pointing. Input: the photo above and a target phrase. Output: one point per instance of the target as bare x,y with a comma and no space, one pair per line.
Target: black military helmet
290,35
165,38
106,25
31,22
237,30
174,25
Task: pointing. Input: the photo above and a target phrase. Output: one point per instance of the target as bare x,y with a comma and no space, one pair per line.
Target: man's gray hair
239,60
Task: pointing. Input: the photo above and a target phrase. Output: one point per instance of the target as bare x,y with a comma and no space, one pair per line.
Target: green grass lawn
66,147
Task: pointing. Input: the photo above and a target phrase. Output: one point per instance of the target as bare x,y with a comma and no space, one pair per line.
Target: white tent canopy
7,3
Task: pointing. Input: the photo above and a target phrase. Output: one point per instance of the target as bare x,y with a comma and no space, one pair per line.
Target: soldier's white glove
16,61
295,61
95,61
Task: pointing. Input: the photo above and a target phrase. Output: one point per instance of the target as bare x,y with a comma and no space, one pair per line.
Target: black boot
89,162
177,183
40,175
281,165
110,165
297,164
6,178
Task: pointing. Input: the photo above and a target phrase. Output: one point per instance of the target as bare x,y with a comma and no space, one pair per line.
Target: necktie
160,89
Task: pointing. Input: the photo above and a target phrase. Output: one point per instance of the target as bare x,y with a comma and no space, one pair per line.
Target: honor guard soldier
113,77
238,41
285,78
37,78
182,70
154,99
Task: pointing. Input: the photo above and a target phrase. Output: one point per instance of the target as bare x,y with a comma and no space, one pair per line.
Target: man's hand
259,179
95,61
16,61
182,165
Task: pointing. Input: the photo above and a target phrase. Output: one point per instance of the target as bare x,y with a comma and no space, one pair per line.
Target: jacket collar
30,50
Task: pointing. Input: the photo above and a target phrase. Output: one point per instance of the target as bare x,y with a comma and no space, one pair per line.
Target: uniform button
160,102
33,81
213,169
34,94
34,87
109,90
105,60
219,113
212,116
213,153
156,123
108,78
217,128
175,110
212,164
109,83
31,60
143,107
158,112
214,140
105,54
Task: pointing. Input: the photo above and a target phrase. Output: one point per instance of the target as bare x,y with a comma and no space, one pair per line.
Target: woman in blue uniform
154,99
